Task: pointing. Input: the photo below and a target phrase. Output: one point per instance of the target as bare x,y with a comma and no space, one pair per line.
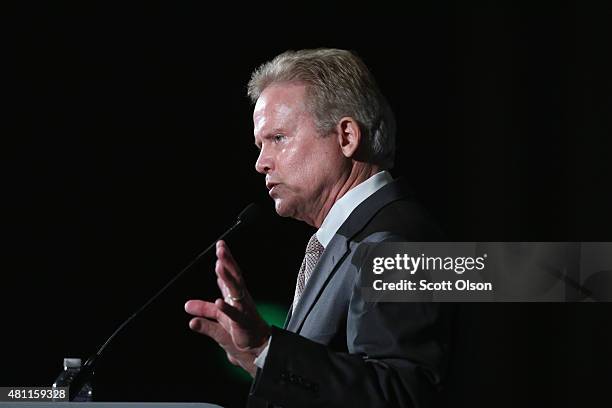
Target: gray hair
338,84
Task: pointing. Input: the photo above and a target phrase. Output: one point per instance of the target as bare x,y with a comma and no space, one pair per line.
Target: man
326,140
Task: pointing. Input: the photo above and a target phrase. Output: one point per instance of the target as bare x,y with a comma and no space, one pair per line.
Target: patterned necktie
314,249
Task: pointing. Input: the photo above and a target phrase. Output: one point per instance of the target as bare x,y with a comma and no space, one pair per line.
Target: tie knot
314,246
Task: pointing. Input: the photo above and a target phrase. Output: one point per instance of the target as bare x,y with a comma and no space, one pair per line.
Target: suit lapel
333,254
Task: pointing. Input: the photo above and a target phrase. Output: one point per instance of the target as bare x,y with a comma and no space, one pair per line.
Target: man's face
301,166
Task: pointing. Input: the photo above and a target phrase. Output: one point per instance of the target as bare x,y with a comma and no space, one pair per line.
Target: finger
225,310
229,271
229,263
232,359
222,246
245,300
247,331
222,269
211,329
228,285
223,319
202,308
222,287
234,320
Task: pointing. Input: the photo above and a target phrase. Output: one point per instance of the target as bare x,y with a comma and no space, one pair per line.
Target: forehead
278,105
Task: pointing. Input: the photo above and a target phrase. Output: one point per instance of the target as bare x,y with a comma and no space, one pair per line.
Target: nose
264,162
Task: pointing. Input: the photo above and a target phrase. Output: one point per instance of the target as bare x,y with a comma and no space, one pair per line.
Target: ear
349,136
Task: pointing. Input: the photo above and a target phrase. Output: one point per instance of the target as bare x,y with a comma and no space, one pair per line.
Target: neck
358,173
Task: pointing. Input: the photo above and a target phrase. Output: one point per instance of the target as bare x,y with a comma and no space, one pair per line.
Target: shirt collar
342,208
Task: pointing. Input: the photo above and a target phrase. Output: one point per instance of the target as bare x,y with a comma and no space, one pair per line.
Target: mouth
271,187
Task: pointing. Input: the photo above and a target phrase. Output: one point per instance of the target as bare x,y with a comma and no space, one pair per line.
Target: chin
282,208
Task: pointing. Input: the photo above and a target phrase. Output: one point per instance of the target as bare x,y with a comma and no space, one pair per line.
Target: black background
129,148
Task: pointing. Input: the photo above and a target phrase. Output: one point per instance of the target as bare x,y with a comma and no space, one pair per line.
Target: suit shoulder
404,218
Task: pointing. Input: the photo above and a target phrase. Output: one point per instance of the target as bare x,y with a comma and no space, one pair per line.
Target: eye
278,138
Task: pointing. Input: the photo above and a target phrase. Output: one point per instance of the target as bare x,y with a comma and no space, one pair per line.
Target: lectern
107,405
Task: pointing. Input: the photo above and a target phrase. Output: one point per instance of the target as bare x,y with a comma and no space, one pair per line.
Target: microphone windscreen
250,213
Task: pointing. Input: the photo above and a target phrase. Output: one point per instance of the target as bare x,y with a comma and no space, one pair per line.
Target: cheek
295,164
306,168
319,170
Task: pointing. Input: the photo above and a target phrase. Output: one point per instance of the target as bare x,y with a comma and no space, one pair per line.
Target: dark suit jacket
338,350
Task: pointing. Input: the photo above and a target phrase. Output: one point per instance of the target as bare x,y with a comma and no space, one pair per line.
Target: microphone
249,214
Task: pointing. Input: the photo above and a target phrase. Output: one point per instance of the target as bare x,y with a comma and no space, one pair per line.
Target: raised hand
233,322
